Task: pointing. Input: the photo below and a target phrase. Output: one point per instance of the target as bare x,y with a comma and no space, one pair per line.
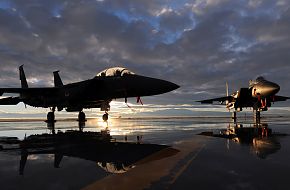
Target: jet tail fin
227,89
22,77
227,94
57,79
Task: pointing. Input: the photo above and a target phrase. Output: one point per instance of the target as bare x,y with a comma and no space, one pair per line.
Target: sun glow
118,126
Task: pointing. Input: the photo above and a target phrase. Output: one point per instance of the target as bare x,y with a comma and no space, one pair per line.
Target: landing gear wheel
106,117
50,117
257,117
234,116
82,117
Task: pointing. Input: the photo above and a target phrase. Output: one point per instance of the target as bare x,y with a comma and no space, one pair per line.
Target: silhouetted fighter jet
98,92
258,95
113,157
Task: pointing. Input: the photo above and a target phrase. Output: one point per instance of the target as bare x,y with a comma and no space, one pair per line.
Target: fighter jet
259,96
97,92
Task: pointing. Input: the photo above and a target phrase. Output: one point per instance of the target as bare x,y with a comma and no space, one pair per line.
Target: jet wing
280,98
220,99
10,90
34,91
10,101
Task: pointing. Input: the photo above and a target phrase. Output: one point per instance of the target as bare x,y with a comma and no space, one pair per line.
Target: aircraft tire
50,117
106,117
82,116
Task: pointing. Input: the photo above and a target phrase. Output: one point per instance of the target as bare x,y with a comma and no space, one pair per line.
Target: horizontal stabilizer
221,99
9,101
280,98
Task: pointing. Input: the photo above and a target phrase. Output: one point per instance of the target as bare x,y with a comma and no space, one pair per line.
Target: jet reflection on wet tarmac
99,147
261,139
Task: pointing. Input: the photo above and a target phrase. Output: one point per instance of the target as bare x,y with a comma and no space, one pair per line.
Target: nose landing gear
105,107
106,116
257,116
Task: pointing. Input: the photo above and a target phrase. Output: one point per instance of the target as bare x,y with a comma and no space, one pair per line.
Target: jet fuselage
92,93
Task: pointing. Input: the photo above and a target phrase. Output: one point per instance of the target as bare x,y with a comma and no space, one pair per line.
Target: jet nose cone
172,86
147,86
271,89
163,86
276,88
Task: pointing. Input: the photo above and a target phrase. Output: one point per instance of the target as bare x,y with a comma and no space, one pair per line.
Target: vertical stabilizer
227,89
57,79
227,94
22,77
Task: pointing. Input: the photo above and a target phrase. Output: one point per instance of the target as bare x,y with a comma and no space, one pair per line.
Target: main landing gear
257,116
82,120
105,107
51,116
51,120
82,117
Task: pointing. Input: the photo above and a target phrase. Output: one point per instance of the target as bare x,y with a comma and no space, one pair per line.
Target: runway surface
145,153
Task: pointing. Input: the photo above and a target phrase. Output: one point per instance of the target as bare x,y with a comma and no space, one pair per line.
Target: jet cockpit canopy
114,72
258,79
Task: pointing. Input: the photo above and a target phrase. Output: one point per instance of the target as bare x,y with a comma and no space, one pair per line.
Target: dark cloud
197,44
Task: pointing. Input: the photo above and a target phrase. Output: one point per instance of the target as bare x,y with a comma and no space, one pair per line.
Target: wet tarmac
151,153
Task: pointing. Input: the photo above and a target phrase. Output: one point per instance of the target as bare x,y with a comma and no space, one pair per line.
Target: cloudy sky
198,44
